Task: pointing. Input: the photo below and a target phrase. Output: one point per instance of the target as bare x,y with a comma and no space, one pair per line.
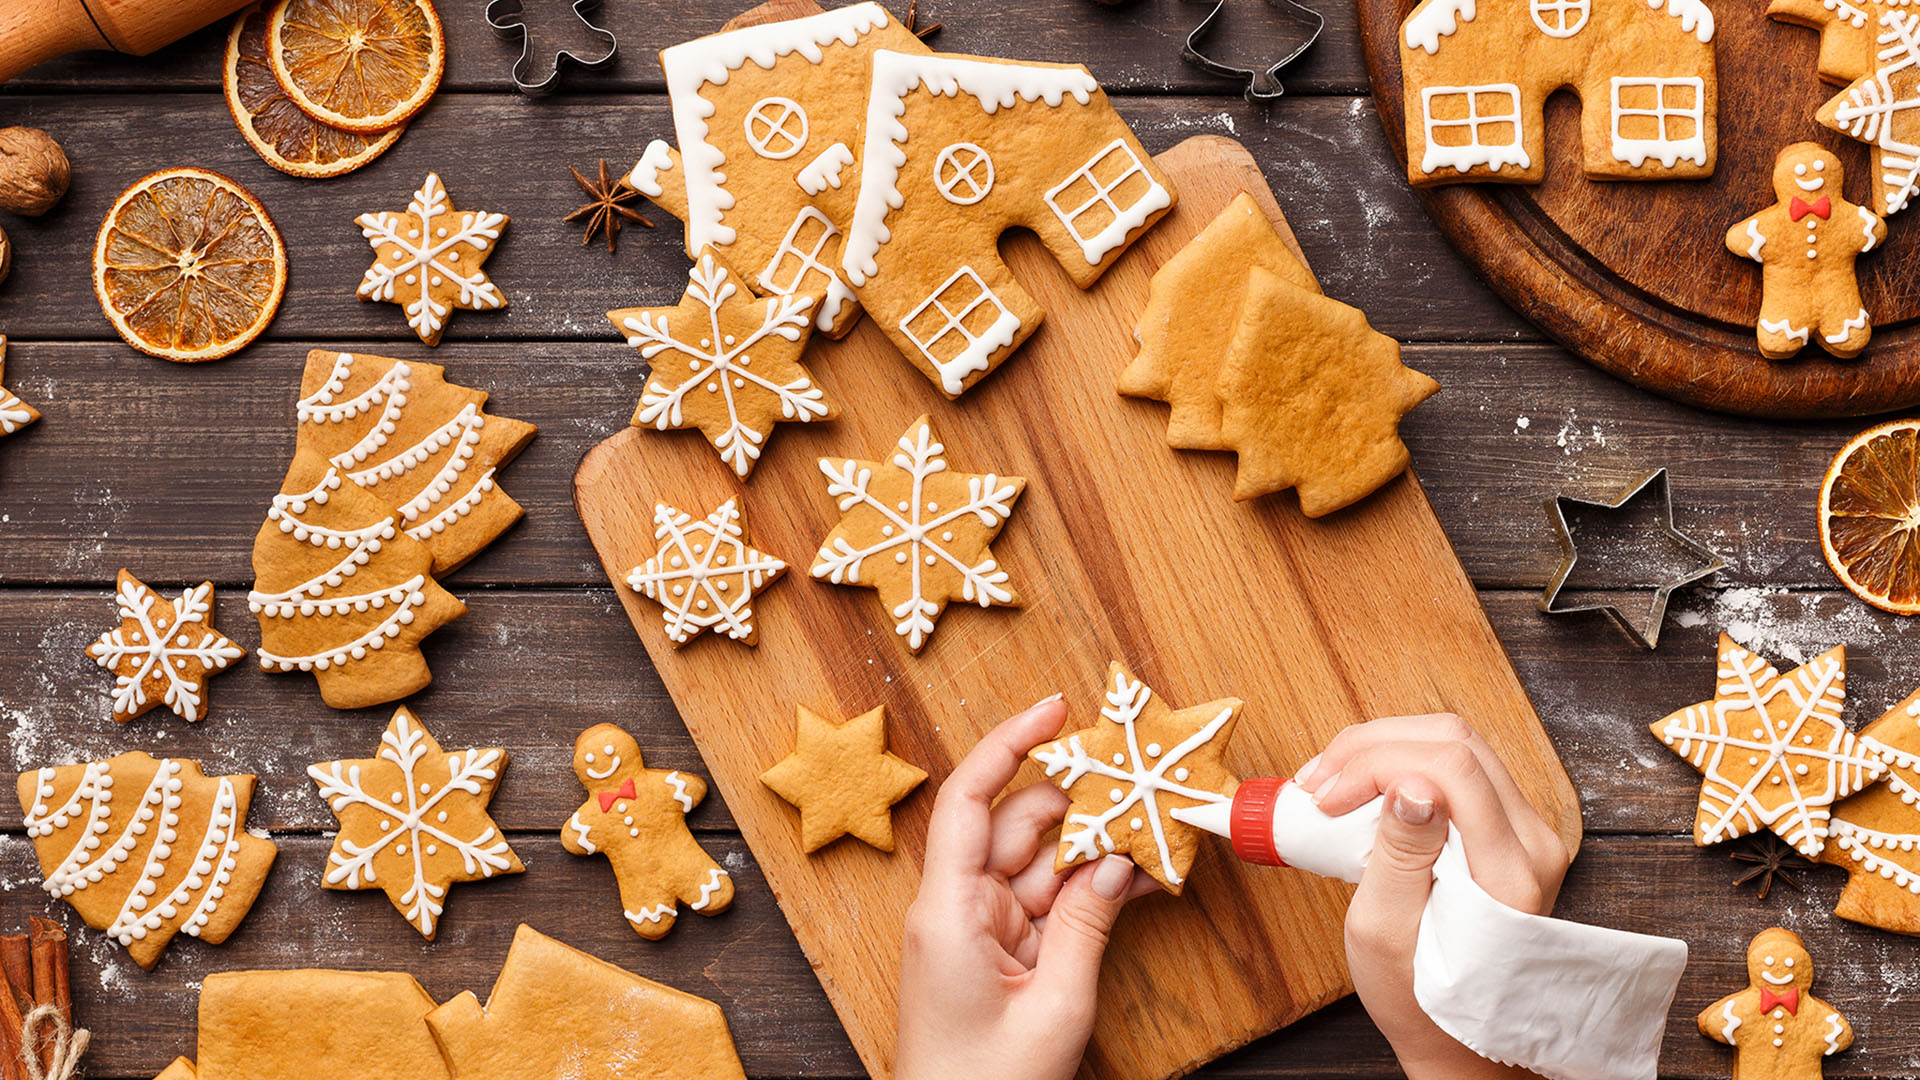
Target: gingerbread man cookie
1778,1029
636,817
1806,244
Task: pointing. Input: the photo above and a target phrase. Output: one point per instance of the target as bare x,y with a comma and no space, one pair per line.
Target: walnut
33,171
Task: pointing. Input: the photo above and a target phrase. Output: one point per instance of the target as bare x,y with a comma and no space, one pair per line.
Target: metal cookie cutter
1263,84
508,17
1656,486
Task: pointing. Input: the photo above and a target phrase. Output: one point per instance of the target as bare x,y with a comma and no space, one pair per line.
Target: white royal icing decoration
187,640
1847,327
824,170
976,352
1103,182
654,160
13,413
679,786
776,128
1867,222
1785,326
580,831
1693,147
1862,844
1434,20
1867,110
712,885
1833,1034
1465,156
704,574
1753,234
423,260
1732,1023
649,915
805,261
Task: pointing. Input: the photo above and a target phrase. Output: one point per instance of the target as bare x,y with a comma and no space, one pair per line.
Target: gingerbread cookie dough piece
1773,749
1131,769
705,574
14,413
843,780
1878,109
637,818
957,150
163,653
1806,244
1777,1028
145,848
427,259
1876,834
425,447
917,532
414,820
558,1012
726,363
1477,77
269,1025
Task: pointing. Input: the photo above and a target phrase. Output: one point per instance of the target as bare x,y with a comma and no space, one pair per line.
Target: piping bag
1565,1000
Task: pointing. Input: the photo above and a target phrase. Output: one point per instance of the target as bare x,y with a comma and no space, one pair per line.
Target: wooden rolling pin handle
34,31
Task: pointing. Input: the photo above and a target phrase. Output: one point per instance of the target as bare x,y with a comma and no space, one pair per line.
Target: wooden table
167,470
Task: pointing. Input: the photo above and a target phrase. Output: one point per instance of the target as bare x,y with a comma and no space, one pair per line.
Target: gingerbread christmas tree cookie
428,259
1127,773
1773,749
843,780
14,413
1876,834
414,820
163,653
636,817
705,574
917,532
1777,1028
1806,244
145,848
725,362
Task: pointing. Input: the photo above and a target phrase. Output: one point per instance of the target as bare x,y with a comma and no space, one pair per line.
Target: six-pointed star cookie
1129,771
14,413
162,653
704,574
916,532
725,362
427,259
414,820
842,779
1773,749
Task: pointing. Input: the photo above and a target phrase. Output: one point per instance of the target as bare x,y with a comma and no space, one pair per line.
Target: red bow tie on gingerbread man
608,798
1788,999
1821,208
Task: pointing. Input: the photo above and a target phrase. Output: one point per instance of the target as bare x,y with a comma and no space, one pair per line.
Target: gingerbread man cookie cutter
509,17
1657,486
1263,83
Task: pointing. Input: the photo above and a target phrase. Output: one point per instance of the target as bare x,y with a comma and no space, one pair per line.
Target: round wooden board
1636,278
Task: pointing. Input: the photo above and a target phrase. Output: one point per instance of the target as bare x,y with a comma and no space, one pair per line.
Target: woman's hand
1002,954
1433,770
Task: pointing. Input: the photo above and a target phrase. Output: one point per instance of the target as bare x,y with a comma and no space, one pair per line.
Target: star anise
1772,858
604,212
912,17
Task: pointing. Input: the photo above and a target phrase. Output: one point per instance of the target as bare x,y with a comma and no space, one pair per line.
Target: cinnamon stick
51,979
16,970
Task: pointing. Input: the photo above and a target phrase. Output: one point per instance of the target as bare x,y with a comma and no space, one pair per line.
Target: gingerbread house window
1660,118
799,253
1472,125
964,173
950,326
776,127
1103,197
1560,18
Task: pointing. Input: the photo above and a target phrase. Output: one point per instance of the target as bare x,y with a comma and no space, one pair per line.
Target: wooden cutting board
1636,277
1121,548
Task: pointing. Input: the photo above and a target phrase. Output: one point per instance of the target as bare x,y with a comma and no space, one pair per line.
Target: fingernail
1111,877
1048,700
1411,810
1305,772
1320,789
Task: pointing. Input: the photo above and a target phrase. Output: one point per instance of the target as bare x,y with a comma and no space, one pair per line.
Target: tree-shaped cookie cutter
508,17
1263,84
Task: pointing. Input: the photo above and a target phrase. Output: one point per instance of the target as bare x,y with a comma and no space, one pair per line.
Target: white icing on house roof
691,65
895,75
1439,18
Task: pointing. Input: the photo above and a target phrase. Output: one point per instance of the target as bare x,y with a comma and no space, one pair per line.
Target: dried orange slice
288,139
188,265
359,65
1870,516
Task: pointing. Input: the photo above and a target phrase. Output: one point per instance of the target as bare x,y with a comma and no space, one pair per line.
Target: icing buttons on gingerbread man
636,817
1806,243
1778,1029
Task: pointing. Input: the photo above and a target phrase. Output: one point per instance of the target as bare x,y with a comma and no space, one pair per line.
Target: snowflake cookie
1777,1028
427,259
1878,109
1875,835
1129,771
637,818
162,653
1773,749
916,533
14,413
725,362
414,820
145,848
705,573
842,779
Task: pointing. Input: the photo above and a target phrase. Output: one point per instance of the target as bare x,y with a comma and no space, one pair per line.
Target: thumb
1399,874
1078,926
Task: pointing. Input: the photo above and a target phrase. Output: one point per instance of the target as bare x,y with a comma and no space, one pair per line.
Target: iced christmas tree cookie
163,653
1806,244
427,259
1777,1028
1875,835
842,779
705,574
14,413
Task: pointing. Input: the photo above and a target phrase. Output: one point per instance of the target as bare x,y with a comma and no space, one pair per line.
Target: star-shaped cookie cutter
1648,633
508,17
1263,84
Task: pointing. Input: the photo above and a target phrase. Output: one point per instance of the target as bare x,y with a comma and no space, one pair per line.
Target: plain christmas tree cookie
256,1025
843,780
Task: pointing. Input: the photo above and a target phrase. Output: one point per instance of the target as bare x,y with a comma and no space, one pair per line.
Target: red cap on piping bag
1253,820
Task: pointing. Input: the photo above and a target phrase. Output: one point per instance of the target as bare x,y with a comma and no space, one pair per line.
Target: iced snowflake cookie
163,653
726,363
705,574
145,848
1806,244
558,1012
14,413
427,259
1875,834
916,532
842,779
425,447
1131,769
256,1024
1878,108
1777,1028
637,818
1773,749
414,820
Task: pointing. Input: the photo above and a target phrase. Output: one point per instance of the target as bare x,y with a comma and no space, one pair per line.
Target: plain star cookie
843,780
427,259
725,362
1875,834
1777,1028
1772,748
1129,771
1806,244
705,574
259,1024
162,653
414,820
145,848
637,818
917,533
14,413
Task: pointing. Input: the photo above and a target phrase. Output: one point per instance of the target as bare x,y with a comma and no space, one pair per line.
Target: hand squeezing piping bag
1563,999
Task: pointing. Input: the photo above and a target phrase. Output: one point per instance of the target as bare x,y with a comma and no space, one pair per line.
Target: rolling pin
34,31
